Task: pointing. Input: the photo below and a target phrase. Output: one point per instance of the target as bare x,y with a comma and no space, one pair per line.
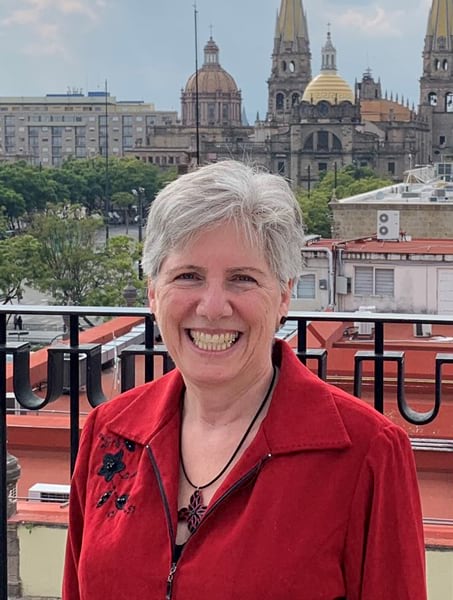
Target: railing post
9,469
379,366
74,388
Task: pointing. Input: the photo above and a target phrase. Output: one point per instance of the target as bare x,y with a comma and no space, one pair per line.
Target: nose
214,302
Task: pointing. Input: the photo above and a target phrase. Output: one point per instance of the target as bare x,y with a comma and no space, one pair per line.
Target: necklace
193,513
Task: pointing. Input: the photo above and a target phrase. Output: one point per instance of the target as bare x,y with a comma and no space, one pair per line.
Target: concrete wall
42,549
433,220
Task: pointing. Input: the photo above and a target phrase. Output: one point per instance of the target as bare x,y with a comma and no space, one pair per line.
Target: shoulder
138,412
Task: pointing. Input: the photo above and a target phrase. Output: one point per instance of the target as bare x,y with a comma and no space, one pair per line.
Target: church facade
317,124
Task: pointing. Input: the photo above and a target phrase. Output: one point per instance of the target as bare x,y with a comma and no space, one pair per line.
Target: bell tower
436,83
291,61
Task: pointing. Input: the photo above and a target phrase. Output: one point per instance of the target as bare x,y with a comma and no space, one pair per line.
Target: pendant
193,513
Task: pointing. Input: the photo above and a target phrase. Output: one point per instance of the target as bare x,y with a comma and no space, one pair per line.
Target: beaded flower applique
114,471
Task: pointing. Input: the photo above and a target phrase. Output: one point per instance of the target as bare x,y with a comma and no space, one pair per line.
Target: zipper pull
170,581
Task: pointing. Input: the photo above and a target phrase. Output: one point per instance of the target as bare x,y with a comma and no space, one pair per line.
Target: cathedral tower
436,83
291,61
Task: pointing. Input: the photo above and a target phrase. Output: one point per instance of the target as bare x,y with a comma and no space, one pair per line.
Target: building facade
436,83
312,124
48,130
382,276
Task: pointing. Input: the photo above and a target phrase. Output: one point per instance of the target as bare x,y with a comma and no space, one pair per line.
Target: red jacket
322,505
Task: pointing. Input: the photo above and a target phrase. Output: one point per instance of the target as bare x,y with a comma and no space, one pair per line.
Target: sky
145,49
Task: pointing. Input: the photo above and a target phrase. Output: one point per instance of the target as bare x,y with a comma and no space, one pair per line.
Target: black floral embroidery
109,441
120,502
114,471
112,464
103,499
129,445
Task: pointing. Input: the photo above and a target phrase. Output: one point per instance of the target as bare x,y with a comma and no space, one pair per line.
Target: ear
152,296
286,298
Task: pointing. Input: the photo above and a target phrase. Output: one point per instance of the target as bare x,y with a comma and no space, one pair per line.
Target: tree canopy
350,181
74,267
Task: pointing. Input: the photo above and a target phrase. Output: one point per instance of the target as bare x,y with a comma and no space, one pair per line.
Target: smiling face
218,305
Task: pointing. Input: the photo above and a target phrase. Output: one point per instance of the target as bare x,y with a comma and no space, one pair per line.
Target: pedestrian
17,322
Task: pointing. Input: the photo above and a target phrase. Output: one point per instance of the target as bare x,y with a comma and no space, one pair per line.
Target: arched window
449,102
292,66
295,99
283,65
445,65
280,101
437,64
432,99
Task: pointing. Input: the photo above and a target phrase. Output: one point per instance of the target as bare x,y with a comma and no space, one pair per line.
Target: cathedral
314,124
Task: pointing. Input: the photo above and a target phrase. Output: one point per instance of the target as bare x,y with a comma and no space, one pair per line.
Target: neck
215,406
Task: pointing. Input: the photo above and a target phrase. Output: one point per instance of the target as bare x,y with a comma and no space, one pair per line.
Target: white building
413,276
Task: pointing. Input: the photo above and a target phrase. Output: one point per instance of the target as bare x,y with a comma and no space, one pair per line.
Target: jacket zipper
173,567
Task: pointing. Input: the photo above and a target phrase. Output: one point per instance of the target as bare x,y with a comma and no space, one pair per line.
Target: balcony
46,394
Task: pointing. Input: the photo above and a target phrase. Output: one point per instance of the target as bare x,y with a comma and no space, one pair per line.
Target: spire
291,61
329,54
291,21
440,25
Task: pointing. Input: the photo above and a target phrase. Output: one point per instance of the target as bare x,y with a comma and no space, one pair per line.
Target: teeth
213,342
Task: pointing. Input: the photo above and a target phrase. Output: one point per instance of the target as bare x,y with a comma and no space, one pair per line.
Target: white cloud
375,22
45,23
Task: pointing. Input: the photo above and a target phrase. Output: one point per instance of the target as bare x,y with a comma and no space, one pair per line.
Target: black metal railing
19,353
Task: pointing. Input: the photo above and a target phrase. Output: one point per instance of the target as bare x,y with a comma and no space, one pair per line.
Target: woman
239,475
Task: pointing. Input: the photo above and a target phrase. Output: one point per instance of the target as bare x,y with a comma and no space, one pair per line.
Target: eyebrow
229,271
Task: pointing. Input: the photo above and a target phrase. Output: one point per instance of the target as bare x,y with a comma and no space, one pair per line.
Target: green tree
12,205
75,268
350,181
18,263
33,184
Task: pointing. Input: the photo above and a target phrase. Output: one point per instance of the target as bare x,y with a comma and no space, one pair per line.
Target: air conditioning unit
365,329
49,492
423,329
388,224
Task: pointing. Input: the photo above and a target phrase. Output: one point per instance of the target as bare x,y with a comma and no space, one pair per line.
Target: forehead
226,243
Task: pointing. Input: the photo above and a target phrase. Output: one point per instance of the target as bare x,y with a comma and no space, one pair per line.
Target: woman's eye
244,278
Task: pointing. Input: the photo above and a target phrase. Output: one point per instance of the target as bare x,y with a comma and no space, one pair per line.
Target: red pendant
193,513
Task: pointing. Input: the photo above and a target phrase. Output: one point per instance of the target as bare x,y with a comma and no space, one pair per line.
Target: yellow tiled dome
328,85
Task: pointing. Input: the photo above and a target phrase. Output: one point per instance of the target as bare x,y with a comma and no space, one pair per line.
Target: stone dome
212,78
329,86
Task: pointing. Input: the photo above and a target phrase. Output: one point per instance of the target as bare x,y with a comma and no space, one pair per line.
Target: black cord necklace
193,513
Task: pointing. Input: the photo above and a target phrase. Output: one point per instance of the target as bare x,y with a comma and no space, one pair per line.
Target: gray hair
258,203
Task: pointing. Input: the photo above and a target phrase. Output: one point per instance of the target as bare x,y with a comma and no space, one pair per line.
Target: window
441,140
306,287
391,168
432,99
281,167
322,167
449,102
323,141
374,281
279,101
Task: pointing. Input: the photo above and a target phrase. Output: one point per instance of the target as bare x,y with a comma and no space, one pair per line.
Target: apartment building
48,130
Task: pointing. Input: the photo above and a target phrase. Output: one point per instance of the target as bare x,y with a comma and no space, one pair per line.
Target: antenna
107,175
197,108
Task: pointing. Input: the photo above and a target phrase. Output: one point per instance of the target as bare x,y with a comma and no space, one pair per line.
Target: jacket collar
303,414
